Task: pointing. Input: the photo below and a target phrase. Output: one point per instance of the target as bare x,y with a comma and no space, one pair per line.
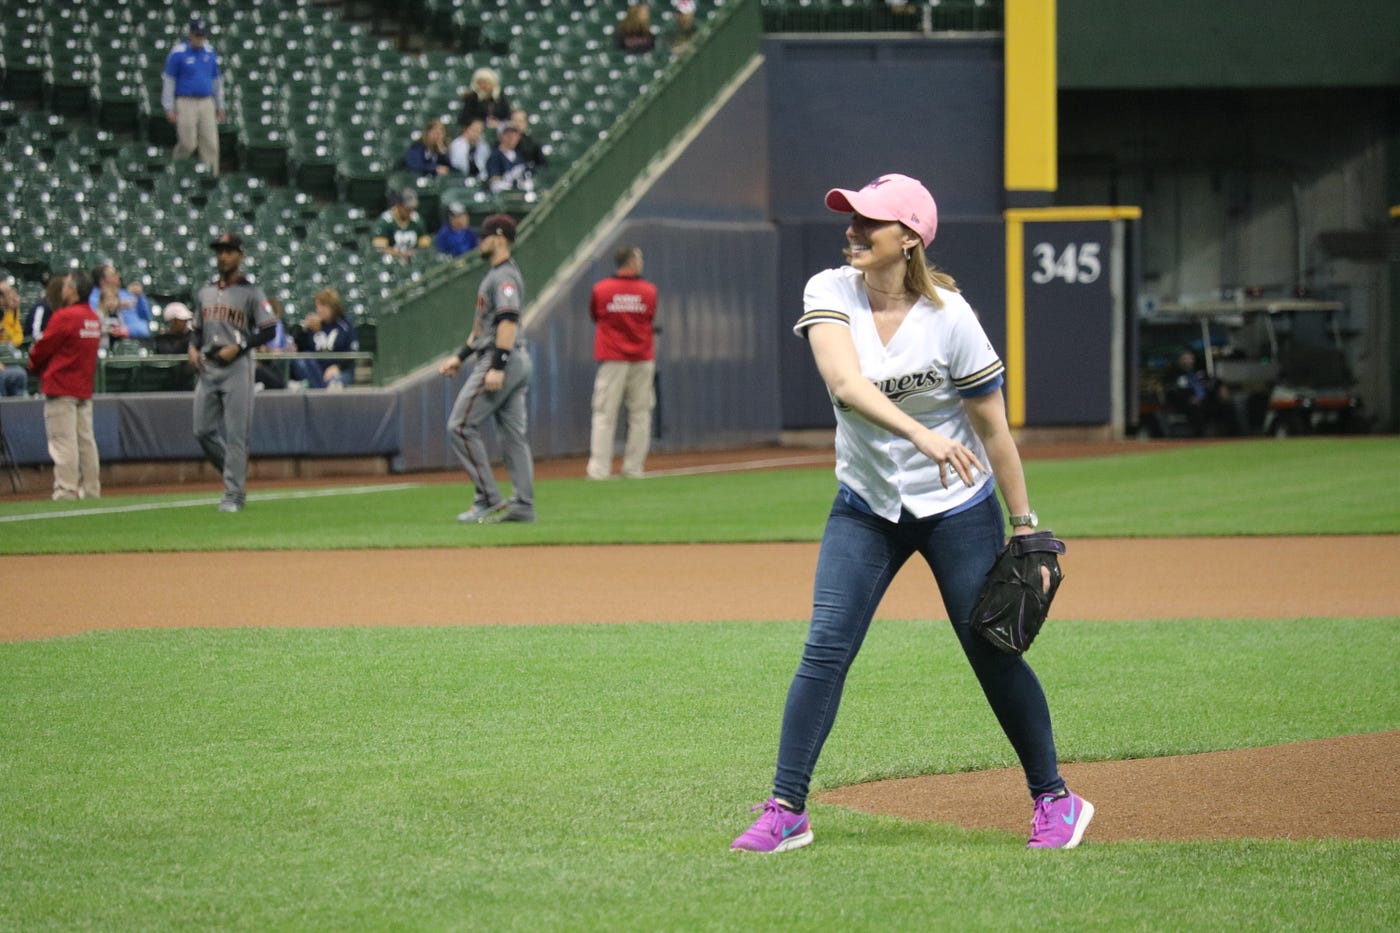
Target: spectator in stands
484,100
327,330
129,303
13,379
530,152
634,32
65,360
175,336
273,374
682,24
505,170
399,231
428,153
35,319
192,93
456,237
174,340
108,305
467,154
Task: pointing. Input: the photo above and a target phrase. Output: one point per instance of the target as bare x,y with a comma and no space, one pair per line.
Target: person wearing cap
922,446
399,231
456,237
497,386
506,170
232,317
192,94
174,336
65,360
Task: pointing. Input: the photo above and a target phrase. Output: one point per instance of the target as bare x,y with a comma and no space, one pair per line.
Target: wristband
499,358
463,353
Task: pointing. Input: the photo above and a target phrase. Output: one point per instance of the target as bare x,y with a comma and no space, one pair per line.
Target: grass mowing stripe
591,777
188,503
824,459
1266,487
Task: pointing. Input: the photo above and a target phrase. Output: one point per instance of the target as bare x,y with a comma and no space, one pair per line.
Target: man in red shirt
624,312
65,360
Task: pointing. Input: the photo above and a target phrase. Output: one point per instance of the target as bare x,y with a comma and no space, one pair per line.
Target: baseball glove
1015,598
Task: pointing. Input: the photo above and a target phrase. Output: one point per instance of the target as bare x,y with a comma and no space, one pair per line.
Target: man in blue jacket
192,93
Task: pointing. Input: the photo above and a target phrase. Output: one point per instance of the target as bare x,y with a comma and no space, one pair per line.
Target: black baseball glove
1015,598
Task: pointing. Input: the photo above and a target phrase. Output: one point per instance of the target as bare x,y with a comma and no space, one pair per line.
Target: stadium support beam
1030,159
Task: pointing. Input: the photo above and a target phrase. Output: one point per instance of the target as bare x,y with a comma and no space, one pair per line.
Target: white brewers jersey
938,357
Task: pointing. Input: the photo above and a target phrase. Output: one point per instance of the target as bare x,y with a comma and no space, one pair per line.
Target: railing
156,372
920,17
429,317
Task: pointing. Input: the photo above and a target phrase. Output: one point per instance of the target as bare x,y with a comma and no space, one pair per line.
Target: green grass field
591,777
1314,486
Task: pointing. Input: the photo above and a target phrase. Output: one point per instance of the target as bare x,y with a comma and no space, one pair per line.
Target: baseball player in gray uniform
232,317
497,386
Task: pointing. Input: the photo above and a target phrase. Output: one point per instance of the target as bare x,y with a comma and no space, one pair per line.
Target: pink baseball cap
890,197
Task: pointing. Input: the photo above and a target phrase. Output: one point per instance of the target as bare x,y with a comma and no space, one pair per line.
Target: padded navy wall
844,110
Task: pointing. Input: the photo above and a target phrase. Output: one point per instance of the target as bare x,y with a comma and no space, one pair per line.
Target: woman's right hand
947,452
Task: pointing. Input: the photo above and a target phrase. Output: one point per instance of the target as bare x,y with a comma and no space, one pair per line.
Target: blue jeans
860,554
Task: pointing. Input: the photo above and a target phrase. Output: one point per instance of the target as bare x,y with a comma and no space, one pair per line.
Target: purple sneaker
1059,821
777,830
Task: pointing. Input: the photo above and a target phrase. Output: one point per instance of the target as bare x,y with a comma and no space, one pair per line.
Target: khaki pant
72,447
197,127
615,383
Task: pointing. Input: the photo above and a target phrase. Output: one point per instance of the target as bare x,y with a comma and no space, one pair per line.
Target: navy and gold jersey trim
822,317
986,378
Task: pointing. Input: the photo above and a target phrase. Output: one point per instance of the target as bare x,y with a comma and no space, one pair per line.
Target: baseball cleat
482,514
1059,820
777,830
519,512
230,507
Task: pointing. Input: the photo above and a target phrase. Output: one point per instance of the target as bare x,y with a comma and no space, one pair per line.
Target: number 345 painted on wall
1077,264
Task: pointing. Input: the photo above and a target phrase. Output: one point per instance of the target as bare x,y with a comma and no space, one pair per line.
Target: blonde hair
926,279
488,75
636,19
331,299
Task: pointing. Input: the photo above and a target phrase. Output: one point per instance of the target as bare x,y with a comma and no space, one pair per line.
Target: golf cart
1283,360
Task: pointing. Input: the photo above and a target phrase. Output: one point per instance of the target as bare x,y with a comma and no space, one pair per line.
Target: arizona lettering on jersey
230,313
938,357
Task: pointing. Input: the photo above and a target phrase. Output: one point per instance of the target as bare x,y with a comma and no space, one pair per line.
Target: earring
907,254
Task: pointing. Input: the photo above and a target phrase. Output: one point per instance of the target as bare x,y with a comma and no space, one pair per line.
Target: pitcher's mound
1342,788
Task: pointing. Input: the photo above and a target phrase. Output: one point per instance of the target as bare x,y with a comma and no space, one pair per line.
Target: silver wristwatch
1029,520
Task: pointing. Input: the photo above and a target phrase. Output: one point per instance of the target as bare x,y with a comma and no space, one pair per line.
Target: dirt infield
1218,795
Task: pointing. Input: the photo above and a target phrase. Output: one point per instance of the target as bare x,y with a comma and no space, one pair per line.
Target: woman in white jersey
919,417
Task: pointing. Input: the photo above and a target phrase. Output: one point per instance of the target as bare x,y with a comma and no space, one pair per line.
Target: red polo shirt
623,309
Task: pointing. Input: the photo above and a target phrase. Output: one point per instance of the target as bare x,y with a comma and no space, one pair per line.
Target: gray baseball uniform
502,291
227,313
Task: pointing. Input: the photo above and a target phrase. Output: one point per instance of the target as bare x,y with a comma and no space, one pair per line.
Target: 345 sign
1073,264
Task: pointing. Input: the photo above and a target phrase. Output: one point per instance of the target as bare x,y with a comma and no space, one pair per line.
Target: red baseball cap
890,197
